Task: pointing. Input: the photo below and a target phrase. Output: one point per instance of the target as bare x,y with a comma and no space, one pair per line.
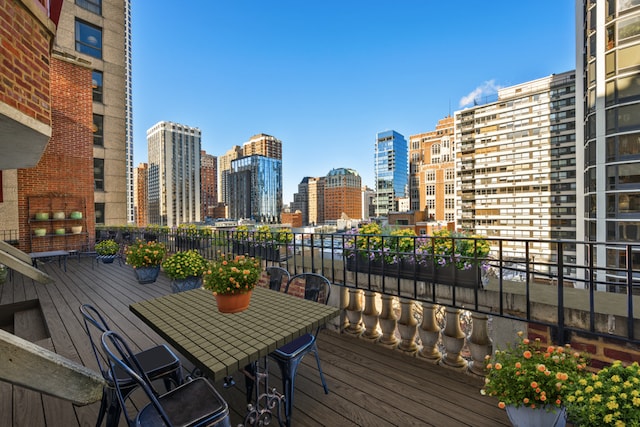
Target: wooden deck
369,384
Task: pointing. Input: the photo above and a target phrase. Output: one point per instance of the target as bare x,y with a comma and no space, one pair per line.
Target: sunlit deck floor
369,385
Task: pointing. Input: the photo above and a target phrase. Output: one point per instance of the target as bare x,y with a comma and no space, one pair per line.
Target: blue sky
325,76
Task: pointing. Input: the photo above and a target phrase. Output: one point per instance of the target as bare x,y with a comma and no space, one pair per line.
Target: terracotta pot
233,303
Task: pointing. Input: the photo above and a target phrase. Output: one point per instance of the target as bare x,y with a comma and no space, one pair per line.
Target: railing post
480,344
407,327
354,312
388,322
370,317
453,339
429,333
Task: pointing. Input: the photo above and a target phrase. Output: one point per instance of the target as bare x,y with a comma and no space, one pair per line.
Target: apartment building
174,174
342,194
608,131
316,200
99,33
263,145
208,184
141,195
224,169
301,200
432,172
516,165
391,171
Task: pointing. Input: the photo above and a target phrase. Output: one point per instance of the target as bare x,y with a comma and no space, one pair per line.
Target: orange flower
498,366
534,384
501,405
527,354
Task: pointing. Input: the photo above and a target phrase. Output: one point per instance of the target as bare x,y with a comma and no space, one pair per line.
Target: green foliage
610,397
533,375
463,249
107,247
185,264
145,254
232,274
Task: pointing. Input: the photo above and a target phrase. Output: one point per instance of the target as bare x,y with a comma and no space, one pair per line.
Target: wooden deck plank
369,384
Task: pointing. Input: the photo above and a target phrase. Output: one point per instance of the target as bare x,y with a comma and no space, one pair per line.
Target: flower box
424,272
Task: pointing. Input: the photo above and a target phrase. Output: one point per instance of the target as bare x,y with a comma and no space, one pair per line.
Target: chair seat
295,347
209,408
157,362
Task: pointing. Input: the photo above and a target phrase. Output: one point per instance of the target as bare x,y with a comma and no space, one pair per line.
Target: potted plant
609,397
185,270
232,278
145,258
532,381
107,250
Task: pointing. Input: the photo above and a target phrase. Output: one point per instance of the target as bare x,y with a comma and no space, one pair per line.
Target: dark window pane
96,84
98,130
98,174
89,39
94,6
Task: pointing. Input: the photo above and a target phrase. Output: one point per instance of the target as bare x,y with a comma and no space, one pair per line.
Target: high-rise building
516,166
208,184
432,172
99,33
141,195
316,200
174,174
224,169
342,194
608,130
301,200
263,145
368,202
255,188
391,172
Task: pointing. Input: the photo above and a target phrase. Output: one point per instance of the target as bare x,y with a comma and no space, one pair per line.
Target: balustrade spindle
370,317
453,339
407,327
429,333
480,344
388,322
354,312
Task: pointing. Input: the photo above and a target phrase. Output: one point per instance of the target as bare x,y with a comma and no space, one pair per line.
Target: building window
96,84
88,39
94,6
98,174
98,130
449,189
99,208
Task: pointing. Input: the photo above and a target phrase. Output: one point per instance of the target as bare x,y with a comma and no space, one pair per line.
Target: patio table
221,344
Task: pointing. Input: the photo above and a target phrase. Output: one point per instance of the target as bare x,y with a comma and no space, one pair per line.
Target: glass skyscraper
391,170
255,188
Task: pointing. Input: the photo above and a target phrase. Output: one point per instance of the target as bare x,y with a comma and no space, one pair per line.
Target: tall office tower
301,200
255,188
316,200
432,172
141,194
208,184
264,145
391,171
608,131
174,174
342,194
224,169
516,165
101,36
128,110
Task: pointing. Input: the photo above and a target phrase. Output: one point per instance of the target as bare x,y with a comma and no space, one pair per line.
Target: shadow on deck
369,385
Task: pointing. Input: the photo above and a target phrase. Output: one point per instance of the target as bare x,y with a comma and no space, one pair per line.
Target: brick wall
65,171
24,49
602,351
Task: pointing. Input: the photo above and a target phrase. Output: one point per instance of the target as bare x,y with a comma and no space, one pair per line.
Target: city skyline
325,78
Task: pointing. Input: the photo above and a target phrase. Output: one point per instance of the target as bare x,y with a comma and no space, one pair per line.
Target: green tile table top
221,344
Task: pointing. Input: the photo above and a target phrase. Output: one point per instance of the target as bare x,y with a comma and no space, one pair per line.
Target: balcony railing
398,304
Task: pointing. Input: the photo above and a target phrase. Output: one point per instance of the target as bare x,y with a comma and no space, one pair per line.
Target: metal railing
529,280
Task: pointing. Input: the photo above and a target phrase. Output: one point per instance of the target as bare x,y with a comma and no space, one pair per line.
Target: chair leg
324,383
103,408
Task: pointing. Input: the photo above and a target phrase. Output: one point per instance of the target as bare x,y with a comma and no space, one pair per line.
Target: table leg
268,402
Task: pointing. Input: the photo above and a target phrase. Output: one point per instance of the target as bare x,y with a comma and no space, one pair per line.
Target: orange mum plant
532,374
232,274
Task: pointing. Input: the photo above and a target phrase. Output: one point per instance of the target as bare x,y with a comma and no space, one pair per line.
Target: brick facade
25,61
65,170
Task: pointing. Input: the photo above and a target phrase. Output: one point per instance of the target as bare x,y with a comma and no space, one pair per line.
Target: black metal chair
159,362
276,274
194,403
316,288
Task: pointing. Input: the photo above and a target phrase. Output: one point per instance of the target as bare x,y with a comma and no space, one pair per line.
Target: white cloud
485,89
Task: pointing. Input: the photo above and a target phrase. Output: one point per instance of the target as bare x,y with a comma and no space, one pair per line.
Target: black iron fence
570,286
